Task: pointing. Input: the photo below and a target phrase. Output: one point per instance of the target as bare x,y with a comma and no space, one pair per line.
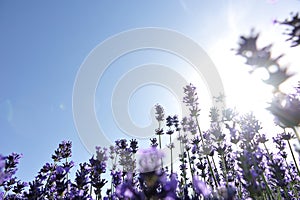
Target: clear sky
44,43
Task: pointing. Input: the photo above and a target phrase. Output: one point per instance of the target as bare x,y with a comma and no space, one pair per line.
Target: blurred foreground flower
149,160
286,109
261,58
200,187
294,29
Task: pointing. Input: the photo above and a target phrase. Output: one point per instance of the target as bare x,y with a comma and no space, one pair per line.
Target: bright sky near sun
44,43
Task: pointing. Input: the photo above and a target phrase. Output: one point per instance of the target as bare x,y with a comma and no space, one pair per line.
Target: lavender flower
133,145
261,58
286,109
153,142
214,114
149,159
188,124
294,31
191,100
3,175
97,169
225,162
63,151
200,187
80,187
159,111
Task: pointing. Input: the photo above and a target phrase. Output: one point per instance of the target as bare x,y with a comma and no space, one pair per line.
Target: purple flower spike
150,159
200,187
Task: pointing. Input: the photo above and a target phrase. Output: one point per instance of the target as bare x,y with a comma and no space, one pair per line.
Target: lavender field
233,159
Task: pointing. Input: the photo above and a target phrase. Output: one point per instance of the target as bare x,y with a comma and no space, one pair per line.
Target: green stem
182,147
200,132
267,186
291,183
269,155
159,141
91,189
226,171
279,194
5,193
208,161
211,171
215,166
113,161
286,192
240,191
48,180
267,150
265,181
171,154
183,163
67,178
264,196
293,157
296,132
192,171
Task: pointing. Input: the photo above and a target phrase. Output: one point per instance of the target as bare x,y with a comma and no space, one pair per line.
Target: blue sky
43,44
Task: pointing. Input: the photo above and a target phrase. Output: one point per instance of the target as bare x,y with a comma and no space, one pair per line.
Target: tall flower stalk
160,118
191,100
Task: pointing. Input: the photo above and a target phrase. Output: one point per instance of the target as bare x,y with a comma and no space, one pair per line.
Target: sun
244,92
